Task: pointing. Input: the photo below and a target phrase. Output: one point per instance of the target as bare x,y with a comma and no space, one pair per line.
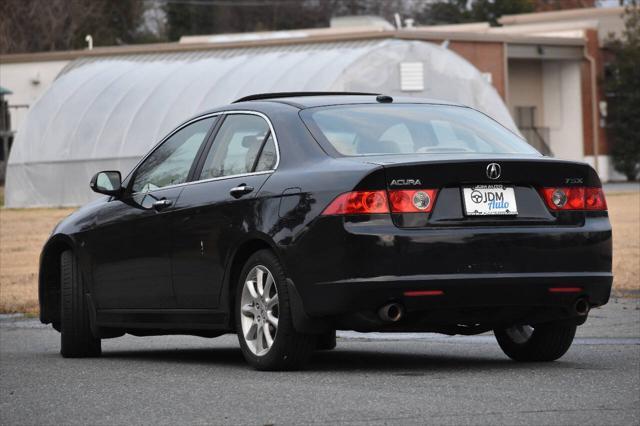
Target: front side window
354,130
243,145
170,163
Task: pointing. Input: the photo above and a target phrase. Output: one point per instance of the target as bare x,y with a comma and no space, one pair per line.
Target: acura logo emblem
493,171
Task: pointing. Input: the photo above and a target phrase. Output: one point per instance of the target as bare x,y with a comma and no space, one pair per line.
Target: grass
24,231
624,212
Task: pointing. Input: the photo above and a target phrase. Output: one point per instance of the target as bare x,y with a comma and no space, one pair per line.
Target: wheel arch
49,279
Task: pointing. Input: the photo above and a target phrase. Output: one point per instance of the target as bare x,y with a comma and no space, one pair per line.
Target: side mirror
108,182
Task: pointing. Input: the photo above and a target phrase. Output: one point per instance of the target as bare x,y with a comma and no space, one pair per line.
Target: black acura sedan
285,217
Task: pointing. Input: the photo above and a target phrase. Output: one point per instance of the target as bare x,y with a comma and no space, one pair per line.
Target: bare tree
35,25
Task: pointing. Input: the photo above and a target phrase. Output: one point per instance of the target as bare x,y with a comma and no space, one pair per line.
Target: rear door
220,207
131,243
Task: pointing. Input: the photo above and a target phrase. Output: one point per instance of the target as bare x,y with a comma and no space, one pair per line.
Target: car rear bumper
425,292
450,304
349,267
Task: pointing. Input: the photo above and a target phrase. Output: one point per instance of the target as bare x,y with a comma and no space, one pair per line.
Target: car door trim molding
202,117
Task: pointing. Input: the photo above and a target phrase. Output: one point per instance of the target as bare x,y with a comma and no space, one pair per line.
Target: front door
132,240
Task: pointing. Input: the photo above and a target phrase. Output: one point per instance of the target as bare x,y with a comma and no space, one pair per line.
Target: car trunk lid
519,179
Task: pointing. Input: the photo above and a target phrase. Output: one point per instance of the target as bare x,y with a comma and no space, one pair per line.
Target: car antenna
384,99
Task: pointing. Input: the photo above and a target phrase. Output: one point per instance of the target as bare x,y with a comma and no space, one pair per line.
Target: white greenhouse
105,112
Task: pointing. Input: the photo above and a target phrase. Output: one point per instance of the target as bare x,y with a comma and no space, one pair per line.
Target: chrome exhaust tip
391,312
581,307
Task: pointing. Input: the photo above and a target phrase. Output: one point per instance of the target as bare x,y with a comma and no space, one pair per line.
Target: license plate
489,200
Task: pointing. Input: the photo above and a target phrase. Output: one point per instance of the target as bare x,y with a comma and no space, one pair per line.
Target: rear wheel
543,342
263,317
76,339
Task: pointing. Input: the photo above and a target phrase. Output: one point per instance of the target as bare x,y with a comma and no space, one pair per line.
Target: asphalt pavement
368,379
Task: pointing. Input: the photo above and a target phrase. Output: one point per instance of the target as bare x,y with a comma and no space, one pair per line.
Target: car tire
327,341
541,343
289,350
76,338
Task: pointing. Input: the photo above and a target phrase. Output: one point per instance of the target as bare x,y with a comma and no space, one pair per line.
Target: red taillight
594,199
576,198
372,202
359,202
412,201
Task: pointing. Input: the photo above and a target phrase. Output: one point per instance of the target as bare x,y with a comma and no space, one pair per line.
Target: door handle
241,190
162,204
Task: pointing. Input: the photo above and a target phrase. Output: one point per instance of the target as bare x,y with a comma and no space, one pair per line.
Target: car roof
270,102
304,100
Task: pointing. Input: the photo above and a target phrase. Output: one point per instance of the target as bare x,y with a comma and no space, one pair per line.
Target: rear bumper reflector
417,293
565,289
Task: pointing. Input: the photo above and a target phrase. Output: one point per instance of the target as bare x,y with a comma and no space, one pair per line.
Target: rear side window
243,145
268,156
354,130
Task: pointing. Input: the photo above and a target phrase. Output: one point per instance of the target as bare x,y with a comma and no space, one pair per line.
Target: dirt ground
24,231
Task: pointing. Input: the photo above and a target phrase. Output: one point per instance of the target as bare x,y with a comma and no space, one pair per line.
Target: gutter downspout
594,107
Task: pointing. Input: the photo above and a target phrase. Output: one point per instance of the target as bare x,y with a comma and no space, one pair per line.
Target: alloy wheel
259,310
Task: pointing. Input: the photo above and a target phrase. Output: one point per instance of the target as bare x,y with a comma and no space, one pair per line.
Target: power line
254,3
227,3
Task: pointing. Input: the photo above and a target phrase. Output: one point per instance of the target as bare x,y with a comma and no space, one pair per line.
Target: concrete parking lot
368,379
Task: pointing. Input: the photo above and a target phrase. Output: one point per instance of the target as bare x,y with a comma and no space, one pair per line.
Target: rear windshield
354,130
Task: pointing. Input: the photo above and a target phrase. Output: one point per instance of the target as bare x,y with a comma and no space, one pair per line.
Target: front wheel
263,317
76,338
539,343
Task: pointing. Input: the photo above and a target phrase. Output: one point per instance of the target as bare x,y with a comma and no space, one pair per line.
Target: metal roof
298,37
560,15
